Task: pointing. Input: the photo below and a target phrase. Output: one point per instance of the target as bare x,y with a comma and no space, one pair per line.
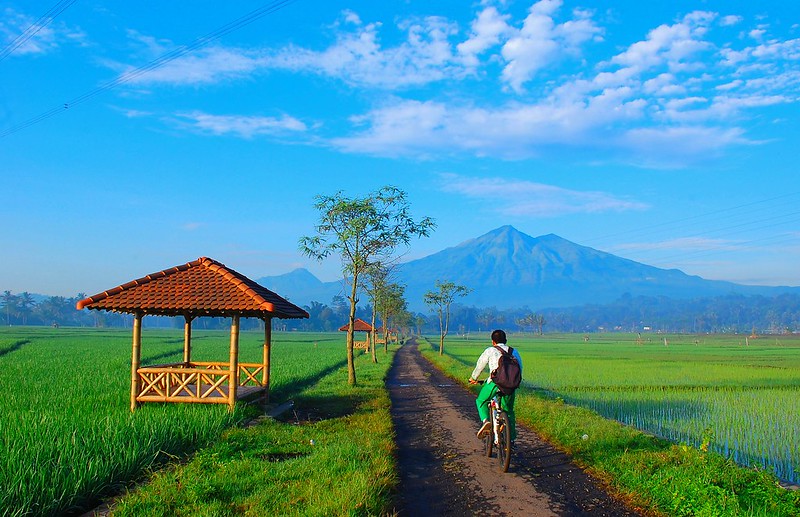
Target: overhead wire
160,61
35,27
702,216
745,218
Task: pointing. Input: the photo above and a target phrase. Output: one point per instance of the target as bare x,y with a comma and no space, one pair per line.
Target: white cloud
541,42
670,45
676,146
487,30
358,57
682,244
203,66
49,37
730,19
241,126
677,95
526,198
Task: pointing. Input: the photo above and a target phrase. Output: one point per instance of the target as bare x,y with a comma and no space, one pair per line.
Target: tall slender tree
391,304
26,304
440,300
9,305
362,230
375,283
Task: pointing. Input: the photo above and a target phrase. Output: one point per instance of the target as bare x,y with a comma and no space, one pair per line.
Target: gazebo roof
359,325
203,287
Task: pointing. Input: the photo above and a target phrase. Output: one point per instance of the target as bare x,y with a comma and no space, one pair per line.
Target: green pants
506,402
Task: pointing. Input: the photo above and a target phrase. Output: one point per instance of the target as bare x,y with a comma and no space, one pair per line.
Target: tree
540,322
388,300
391,306
528,320
56,310
362,231
25,304
9,305
439,301
375,282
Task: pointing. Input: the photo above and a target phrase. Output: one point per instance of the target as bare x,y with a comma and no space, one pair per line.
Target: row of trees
723,314
26,309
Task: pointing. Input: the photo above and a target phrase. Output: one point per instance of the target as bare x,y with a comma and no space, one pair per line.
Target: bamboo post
267,357
187,339
234,362
136,357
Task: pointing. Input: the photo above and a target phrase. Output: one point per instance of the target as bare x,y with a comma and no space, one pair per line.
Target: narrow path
442,467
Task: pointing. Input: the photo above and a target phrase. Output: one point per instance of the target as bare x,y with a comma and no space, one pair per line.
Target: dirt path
442,467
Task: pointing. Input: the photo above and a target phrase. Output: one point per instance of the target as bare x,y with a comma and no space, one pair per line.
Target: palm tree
10,304
25,304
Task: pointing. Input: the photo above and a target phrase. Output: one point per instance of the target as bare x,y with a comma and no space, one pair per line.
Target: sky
136,136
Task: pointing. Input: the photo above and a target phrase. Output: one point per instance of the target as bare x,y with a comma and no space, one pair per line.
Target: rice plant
732,395
68,436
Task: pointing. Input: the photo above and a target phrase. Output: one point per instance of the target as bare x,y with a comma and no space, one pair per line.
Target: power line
702,216
761,216
35,27
172,55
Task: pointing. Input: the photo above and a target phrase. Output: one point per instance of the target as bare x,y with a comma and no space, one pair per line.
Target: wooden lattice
194,382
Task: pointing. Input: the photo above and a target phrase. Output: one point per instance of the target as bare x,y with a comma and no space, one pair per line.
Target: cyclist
490,357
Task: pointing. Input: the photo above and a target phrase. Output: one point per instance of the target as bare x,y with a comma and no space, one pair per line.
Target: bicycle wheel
504,442
488,442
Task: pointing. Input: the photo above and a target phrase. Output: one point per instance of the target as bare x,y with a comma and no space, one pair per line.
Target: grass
69,438
663,476
335,456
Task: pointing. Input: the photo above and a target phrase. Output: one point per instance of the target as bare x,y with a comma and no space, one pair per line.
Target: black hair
499,336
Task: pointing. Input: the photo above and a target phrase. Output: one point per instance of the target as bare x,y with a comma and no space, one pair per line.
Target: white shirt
491,357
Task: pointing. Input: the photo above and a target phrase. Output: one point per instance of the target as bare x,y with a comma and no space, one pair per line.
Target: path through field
442,467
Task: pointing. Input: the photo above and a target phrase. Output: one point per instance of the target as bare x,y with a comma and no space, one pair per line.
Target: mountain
301,287
507,268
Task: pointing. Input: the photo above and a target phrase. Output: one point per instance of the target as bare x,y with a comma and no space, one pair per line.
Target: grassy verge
332,455
654,474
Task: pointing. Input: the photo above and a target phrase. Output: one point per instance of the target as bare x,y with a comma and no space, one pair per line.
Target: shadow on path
442,467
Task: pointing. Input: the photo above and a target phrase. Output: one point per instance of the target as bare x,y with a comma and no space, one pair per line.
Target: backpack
508,374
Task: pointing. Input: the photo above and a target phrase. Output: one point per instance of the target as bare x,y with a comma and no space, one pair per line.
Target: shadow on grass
14,347
311,408
294,387
169,353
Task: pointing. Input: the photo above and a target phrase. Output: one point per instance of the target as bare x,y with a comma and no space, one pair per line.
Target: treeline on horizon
731,313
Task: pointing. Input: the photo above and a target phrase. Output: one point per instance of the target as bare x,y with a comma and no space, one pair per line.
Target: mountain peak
508,268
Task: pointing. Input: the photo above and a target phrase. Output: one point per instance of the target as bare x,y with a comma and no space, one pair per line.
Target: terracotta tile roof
359,325
203,287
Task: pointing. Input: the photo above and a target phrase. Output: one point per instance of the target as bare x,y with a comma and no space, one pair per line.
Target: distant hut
203,287
359,325
391,335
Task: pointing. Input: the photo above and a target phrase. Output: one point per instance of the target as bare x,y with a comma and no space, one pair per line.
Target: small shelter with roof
359,325
391,335
203,287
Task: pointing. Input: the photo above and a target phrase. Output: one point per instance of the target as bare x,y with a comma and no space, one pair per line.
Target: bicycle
500,437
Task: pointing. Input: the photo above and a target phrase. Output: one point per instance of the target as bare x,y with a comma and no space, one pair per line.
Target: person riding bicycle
491,357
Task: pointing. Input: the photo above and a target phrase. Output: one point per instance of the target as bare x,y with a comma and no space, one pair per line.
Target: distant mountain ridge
507,268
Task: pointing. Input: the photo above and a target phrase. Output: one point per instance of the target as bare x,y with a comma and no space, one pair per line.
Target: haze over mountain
507,268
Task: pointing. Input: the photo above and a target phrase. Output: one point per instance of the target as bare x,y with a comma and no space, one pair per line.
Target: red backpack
508,374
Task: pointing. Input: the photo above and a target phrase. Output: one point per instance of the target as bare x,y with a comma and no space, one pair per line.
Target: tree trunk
372,337
351,364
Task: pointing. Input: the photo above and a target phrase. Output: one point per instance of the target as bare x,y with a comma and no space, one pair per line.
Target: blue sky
132,139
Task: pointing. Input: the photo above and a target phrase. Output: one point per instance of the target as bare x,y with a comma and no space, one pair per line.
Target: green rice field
739,397
68,435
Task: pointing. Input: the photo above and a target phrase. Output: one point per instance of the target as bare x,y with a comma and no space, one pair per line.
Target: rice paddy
68,436
735,396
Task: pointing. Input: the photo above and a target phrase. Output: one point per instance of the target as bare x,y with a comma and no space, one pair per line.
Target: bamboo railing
198,382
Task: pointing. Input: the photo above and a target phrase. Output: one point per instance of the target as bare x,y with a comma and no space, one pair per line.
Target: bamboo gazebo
359,325
203,287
